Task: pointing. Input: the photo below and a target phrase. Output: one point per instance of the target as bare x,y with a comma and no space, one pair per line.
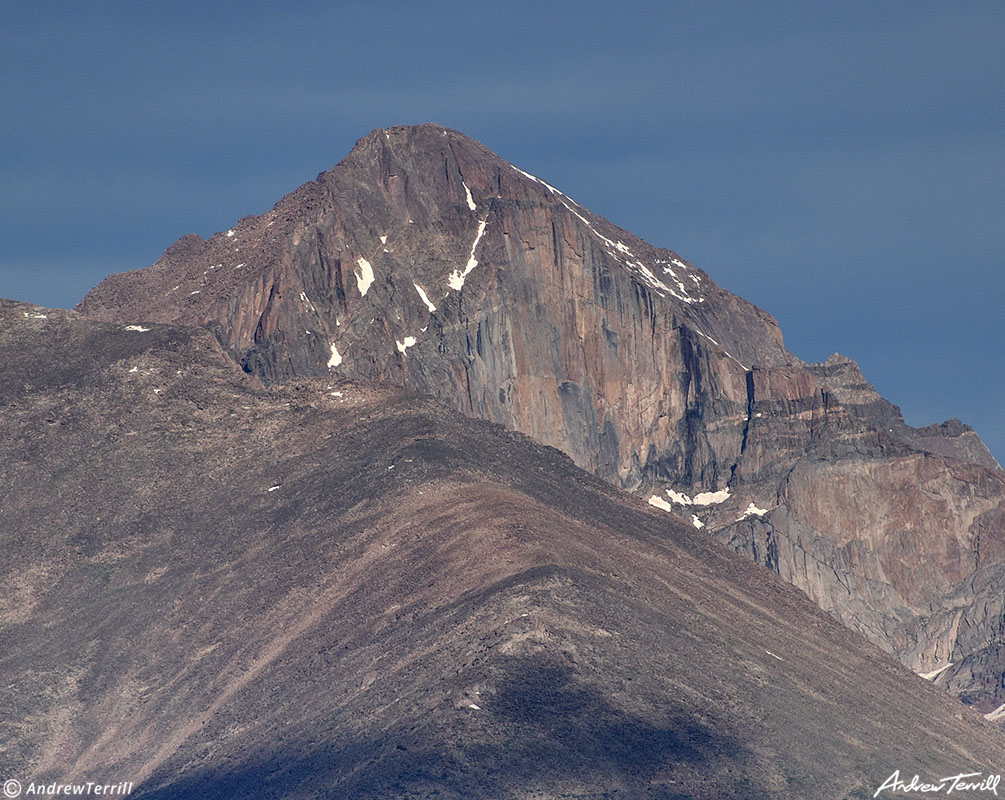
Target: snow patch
697,522
659,502
711,498
383,239
230,233
678,497
135,369
138,328
425,299
273,488
403,346
467,194
700,499
754,511
774,656
475,707
364,276
28,315
335,359
456,279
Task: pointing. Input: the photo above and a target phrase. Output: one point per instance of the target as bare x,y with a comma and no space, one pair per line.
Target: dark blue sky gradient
842,165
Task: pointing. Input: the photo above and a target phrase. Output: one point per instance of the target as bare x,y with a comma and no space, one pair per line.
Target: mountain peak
424,260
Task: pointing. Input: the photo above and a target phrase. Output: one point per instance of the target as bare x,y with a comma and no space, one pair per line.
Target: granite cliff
426,261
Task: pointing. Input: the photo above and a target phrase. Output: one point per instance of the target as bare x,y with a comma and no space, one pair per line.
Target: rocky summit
334,589
425,261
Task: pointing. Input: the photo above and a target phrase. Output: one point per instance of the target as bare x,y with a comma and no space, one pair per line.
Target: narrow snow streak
456,279
364,276
138,328
730,355
997,714
425,299
931,676
618,249
467,193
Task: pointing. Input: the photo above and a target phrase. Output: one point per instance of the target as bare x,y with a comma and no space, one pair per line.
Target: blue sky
840,165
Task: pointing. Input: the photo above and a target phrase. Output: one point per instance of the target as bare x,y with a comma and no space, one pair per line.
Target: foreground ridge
395,601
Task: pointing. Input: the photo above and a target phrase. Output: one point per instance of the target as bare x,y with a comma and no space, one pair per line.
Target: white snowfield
701,499
364,275
659,502
754,511
403,346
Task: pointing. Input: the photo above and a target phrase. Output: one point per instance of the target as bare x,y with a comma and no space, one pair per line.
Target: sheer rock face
424,260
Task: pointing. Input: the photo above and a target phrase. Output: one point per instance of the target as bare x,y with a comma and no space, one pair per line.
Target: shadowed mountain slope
426,261
218,590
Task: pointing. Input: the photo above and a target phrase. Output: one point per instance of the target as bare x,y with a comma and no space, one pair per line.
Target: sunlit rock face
426,261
